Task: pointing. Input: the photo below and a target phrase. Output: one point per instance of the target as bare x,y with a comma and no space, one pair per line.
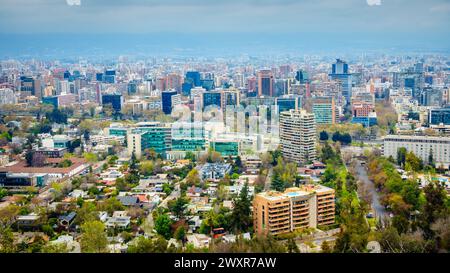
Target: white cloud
73,2
374,2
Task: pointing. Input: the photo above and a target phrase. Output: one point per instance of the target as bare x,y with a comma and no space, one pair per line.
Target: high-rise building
302,76
109,76
174,82
297,208
339,72
324,110
439,116
212,98
149,135
167,99
265,83
251,84
288,102
285,70
194,78
431,97
298,136
116,101
30,86
230,97
7,96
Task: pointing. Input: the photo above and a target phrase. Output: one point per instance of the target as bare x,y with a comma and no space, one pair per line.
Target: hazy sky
82,27
272,16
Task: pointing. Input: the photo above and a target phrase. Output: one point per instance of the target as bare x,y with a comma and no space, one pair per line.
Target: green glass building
225,148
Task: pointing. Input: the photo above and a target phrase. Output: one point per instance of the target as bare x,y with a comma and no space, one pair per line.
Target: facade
7,96
302,76
421,146
167,101
324,110
364,113
212,98
340,72
193,77
149,135
288,102
265,83
298,136
225,147
188,136
307,207
9,179
440,116
115,100
53,100
51,152
230,97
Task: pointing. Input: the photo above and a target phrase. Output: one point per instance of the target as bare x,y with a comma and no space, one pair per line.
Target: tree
29,157
121,185
90,157
241,215
401,156
65,163
326,247
87,212
431,159
435,206
133,167
178,206
3,192
93,237
57,116
190,156
238,165
148,245
146,168
441,229
150,154
111,205
292,246
38,160
55,248
323,136
6,240
336,136
163,225
413,161
180,233
193,177
277,184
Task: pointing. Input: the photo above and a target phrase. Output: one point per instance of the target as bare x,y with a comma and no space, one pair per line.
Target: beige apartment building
296,208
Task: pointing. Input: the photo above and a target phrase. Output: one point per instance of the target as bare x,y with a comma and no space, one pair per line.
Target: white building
7,96
298,136
421,146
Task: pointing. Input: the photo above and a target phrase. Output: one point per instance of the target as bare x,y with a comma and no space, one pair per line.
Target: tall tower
298,136
265,83
339,72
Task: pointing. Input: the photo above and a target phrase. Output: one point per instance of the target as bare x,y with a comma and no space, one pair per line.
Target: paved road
379,210
173,195
148,224
268,180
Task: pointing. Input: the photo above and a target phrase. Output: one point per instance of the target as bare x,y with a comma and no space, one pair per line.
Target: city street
379,210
